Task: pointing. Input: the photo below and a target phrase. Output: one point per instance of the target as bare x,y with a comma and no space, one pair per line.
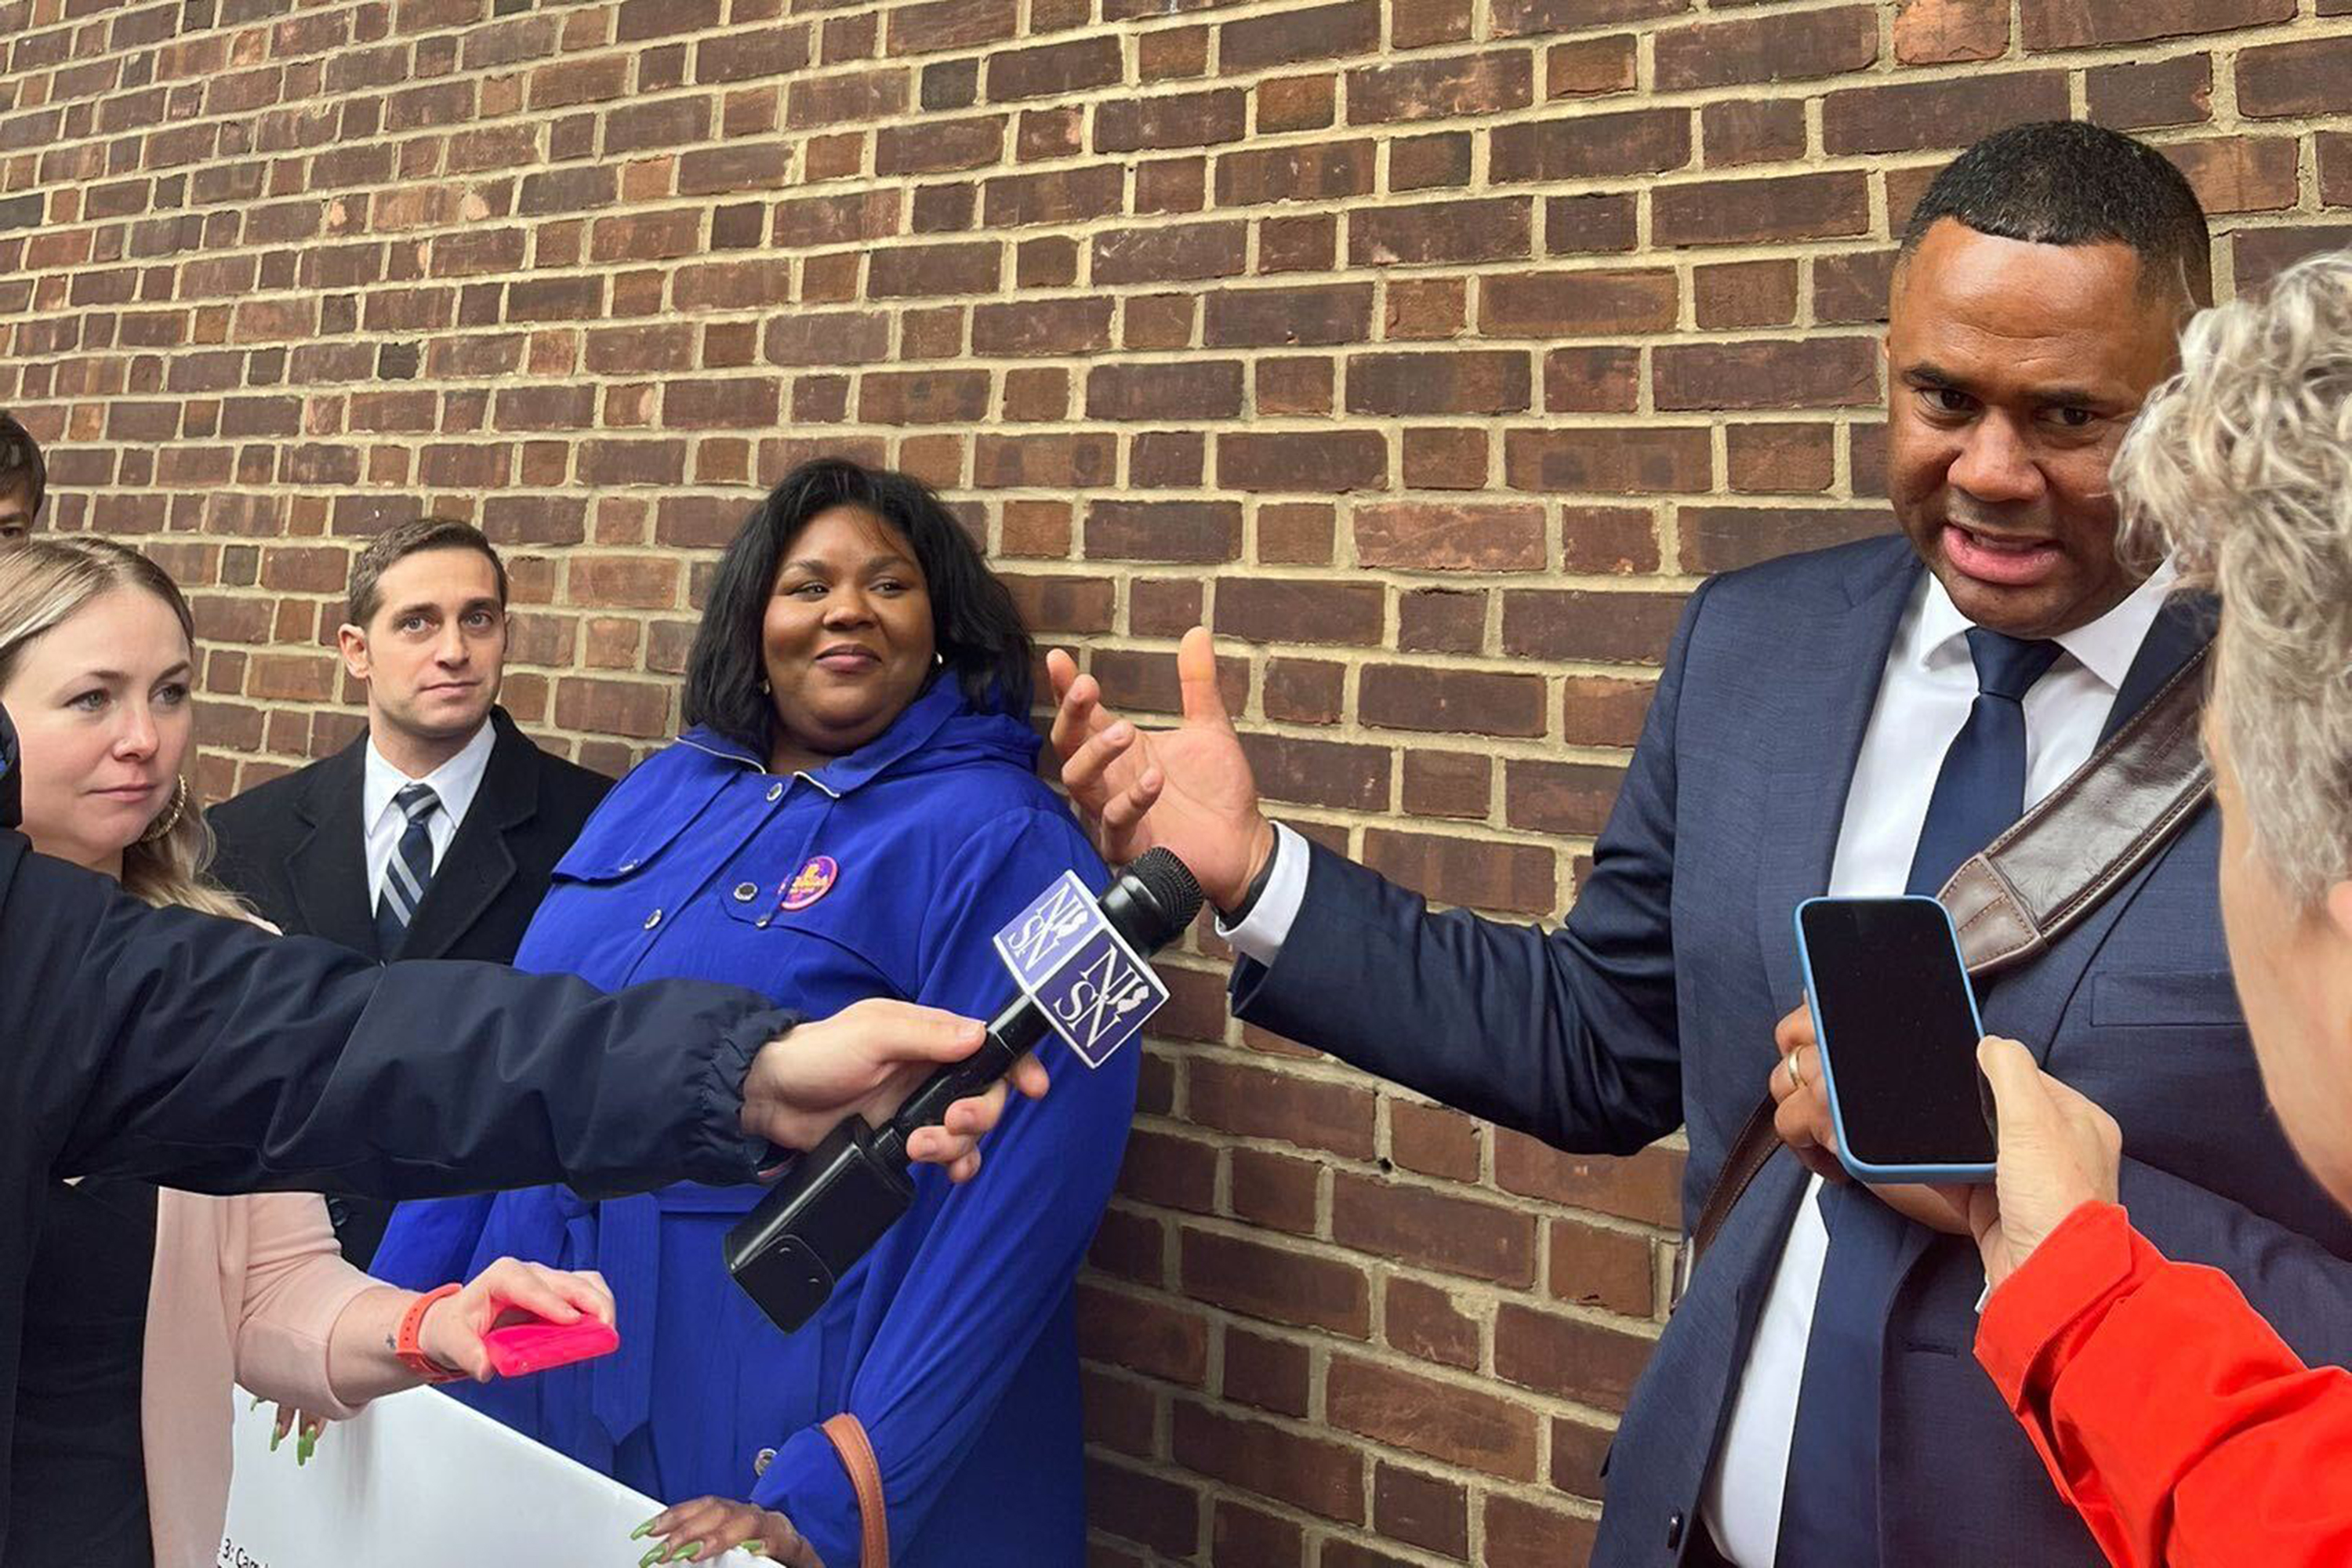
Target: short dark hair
21,465
974,623
2062,182
364,597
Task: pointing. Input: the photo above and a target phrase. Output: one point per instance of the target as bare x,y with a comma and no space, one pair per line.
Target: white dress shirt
454,782
1924,697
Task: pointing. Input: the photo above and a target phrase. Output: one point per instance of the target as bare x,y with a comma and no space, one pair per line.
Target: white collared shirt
454,782
1923,698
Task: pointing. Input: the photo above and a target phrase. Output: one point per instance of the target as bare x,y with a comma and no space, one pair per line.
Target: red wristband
404,1345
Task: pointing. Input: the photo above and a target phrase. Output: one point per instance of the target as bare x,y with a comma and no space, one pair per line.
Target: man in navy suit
1854,721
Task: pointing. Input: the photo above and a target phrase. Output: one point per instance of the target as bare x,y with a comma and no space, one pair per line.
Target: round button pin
746,891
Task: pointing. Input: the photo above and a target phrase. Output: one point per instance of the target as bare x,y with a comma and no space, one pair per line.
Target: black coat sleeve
208,1054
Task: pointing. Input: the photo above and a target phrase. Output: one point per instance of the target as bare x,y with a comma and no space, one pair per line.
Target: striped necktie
409,871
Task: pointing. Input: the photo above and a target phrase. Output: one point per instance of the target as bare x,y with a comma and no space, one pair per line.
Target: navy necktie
1829,1510
408,872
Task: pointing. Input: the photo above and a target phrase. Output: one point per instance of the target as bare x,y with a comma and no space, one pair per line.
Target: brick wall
1429,349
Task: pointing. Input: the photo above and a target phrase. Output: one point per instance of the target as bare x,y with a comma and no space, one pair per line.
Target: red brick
1569,1358
1285,609
1732,211
1208,389
1446,536
2177,91
2240,173
1259,318
1423,1511
1258,1103
1305,33
1418,1225
2082,24
1590,67
1444,382
1058,196
1592,146
1569,303
1752,130
1163,531
946,25
1634,461
2308,76
1442,89
1451,1422
1592,627
1603,378
1277,1283
1597,1268
1516,18
1179,119
1052,69
1793,47
1519,1532
1913,115
1310,172
1263,1373
1494,229
1315,463
1719,539
1642,1188
1798,373
1177,251
1944,32
1315,1474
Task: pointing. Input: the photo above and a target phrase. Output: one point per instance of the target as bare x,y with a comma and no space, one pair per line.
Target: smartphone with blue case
1897,1021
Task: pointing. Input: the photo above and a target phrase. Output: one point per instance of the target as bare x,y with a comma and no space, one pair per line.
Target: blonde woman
145,1305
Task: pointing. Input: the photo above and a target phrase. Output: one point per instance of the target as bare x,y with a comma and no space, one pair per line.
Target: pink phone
536,1345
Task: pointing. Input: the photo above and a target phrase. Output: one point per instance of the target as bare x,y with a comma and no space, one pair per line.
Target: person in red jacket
2169,1414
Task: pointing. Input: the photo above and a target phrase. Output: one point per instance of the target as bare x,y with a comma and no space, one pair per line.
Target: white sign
421,1478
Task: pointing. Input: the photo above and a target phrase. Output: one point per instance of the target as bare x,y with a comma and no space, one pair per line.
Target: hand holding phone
537,1344
1896,1026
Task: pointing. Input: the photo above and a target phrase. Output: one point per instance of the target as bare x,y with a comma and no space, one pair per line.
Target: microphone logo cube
1095,991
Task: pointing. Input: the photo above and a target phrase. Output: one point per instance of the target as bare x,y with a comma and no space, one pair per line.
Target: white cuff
1261,935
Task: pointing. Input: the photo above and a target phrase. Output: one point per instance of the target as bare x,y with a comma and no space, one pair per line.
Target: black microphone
836,1201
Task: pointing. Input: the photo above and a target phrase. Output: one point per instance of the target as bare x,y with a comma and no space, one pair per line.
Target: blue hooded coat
954,1341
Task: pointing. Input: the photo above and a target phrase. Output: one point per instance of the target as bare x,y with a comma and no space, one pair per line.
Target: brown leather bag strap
2017,896
847,1434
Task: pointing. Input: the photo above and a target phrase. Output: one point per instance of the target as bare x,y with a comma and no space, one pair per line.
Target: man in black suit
432,835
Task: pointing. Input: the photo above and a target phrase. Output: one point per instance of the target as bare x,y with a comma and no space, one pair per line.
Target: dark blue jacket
954,1341
1653,1007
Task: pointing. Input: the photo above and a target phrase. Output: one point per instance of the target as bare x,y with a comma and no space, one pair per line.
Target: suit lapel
2184,625
1821,713
328,865
2028,1003
478,865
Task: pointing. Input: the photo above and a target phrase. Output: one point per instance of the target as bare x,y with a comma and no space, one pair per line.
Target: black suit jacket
295,849
205,1054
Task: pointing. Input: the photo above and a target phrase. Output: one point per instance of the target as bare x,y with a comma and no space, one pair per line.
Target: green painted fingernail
753,1549
275,1437
644,1530
691,1552
653,1554
304,1450
257,1403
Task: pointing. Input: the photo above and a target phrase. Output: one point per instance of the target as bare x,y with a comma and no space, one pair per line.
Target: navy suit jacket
1653,1007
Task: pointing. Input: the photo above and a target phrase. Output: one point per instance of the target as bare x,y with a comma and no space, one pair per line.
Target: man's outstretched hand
865,1062
1187,790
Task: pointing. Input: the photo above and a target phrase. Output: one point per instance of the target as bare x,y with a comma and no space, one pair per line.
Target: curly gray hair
2242,466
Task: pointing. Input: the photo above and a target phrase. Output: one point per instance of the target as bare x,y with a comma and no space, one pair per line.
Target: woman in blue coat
853,812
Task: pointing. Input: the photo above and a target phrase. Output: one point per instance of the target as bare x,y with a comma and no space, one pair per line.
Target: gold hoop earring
161,828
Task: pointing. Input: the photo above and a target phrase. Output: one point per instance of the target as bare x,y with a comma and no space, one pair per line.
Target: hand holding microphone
1082,973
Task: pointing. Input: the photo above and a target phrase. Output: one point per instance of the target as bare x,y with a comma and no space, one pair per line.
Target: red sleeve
2180,1427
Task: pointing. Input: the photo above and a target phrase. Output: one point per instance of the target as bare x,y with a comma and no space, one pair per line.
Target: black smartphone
1898,1028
